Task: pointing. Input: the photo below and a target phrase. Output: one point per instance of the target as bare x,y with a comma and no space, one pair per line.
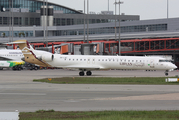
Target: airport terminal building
28,13
27,18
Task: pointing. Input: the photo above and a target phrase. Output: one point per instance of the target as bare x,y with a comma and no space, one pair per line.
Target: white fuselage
8,56
110,62
14,55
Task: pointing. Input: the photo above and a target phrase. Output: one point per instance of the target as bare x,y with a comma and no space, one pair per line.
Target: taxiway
18,92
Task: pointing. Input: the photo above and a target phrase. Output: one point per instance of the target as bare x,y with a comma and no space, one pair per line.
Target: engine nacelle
46,57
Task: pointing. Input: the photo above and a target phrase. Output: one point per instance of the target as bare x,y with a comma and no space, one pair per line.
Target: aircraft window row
11,55
76,59
113,60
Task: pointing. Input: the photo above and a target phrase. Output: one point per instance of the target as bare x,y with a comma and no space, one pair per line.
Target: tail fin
29,53
24,45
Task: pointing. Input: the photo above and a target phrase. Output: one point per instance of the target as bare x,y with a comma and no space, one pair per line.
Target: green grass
105,80
100,115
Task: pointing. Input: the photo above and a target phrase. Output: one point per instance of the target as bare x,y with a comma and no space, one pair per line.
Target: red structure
130,46
151,45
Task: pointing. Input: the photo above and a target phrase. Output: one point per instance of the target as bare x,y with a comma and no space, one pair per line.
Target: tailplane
25,47
30,55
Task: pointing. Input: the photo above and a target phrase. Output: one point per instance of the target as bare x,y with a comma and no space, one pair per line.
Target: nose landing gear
166,72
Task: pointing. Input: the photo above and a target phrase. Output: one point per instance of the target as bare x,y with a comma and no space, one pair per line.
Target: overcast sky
147,9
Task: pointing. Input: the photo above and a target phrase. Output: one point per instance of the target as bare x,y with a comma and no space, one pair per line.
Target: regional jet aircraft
92,62
11,58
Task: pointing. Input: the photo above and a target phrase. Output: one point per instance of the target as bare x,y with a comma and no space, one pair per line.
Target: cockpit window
164,60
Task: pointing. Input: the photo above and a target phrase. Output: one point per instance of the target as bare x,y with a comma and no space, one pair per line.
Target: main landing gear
18,67
88,73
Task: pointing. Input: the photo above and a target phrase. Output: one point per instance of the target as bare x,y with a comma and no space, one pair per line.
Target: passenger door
152,64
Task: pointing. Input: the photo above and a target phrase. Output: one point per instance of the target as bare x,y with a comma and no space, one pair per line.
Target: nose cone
175,66
172,66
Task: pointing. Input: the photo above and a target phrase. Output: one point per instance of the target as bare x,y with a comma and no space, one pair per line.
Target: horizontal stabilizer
17,42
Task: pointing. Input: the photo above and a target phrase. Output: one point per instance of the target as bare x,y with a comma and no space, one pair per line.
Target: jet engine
46,57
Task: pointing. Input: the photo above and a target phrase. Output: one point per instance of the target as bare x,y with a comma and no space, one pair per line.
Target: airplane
11,58
87,63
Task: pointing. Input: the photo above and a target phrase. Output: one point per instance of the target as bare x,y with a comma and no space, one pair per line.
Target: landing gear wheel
81,73
18,68
35,68
166,74
14,68
88,73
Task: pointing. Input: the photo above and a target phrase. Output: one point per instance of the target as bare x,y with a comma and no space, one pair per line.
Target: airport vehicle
92,62
11,58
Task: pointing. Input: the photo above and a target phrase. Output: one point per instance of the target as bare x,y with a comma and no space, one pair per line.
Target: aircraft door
152,64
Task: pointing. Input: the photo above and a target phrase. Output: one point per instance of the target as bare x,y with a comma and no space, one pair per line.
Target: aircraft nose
173,66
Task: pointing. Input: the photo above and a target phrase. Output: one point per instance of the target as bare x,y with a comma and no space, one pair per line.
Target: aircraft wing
5,59
80,67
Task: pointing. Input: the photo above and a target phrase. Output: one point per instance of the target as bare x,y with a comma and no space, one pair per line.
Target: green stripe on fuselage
15,63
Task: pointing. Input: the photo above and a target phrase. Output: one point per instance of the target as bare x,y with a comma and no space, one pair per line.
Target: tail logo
26,50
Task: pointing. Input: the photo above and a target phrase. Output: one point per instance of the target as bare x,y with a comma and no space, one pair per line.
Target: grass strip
108,80
100,115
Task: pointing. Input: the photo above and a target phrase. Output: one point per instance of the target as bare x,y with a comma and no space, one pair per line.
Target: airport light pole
87,21
108,5
115,19
45,21
46,24
84,23
119,25
11,21
86,18
167,9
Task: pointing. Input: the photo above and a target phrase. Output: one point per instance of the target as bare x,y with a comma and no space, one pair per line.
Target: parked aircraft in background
92,62
11,58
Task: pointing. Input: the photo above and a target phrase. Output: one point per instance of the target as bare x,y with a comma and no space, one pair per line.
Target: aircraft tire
81,73
166,74
35,68
88,73
18,68
14,68
31,68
